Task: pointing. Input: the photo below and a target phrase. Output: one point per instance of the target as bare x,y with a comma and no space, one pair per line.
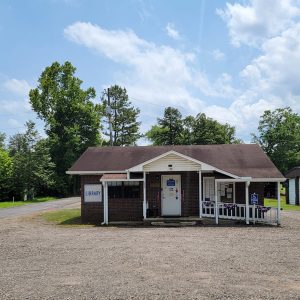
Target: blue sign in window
170,182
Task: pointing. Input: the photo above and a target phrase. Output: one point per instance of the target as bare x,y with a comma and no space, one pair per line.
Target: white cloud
158,74
172,32
253,23
18,87
218,55
276,71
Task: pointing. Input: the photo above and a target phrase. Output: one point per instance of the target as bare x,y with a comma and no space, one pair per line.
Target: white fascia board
204,166
268,179
94,172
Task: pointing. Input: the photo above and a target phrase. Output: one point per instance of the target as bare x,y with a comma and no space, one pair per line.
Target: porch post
278,203
144,197
216,202
247,183
200,194
105,202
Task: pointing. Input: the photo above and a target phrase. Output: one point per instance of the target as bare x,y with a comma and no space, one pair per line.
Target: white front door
171,195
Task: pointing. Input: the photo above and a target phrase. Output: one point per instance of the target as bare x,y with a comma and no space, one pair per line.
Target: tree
279,137
125,127
168,130
199,130
33,170
72,120
6,168
206,130
2,140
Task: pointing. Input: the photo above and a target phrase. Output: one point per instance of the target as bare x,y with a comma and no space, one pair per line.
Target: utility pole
109,119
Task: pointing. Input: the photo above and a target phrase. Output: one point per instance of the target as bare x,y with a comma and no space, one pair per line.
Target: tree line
74,120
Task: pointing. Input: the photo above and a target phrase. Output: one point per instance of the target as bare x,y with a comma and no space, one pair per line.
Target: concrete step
174,224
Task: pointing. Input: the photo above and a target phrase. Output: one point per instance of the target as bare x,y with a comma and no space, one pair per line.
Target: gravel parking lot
39,260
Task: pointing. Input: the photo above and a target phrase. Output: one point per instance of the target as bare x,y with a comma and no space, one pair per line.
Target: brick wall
91,212
255,187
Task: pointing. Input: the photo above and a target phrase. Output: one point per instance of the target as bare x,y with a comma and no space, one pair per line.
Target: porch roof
243,160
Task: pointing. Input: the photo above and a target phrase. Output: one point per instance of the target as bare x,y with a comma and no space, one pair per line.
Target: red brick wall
118,209
255,187
91,212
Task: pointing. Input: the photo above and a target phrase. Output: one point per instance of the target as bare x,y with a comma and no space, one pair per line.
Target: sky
231,60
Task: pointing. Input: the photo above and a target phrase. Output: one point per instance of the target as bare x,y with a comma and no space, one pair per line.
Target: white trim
144,197
247,201
200,194
94,172
241,179
268,179
216,203
202,164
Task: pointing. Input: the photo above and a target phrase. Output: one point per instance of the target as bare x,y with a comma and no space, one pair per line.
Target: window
131,189
126,189
114,189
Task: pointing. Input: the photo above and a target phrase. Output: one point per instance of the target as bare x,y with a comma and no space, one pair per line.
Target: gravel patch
39,260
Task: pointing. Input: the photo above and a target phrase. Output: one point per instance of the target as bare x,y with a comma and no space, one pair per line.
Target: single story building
292,186
142,183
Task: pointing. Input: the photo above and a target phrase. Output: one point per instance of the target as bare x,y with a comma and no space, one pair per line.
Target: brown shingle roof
245,160
292,173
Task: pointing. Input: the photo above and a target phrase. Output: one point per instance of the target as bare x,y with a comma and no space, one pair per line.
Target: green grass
63,216
7,204
284,206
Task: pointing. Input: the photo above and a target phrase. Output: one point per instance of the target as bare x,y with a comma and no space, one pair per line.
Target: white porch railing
233,211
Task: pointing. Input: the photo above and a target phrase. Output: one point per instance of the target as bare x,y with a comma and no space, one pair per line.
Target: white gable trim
204,166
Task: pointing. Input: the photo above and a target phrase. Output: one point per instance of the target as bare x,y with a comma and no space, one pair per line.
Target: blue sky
229,59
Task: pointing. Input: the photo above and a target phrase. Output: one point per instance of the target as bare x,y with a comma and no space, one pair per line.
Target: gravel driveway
39,260
35,207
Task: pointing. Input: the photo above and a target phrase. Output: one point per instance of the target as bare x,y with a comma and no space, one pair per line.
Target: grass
284,206
7,204
63,216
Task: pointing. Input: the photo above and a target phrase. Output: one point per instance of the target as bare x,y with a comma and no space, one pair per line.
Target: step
174,224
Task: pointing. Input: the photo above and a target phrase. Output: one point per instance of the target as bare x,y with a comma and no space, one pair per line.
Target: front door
171,195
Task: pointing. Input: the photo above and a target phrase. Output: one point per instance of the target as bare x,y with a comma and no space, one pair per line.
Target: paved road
36,207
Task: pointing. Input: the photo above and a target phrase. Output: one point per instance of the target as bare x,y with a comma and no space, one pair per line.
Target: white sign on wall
92,193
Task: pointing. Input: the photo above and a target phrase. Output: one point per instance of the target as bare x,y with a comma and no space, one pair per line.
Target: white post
144,197
200,194
105,207
247,201
216,202
278,203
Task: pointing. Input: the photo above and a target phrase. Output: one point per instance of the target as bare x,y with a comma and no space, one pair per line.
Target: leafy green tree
72,120
33,170
279,137
206,130
125,127
168,130
2,140
201,130
6,168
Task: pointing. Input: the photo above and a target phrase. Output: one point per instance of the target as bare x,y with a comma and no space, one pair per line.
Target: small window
131,189
114,189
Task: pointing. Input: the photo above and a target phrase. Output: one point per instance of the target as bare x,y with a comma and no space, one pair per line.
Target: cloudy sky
229,59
